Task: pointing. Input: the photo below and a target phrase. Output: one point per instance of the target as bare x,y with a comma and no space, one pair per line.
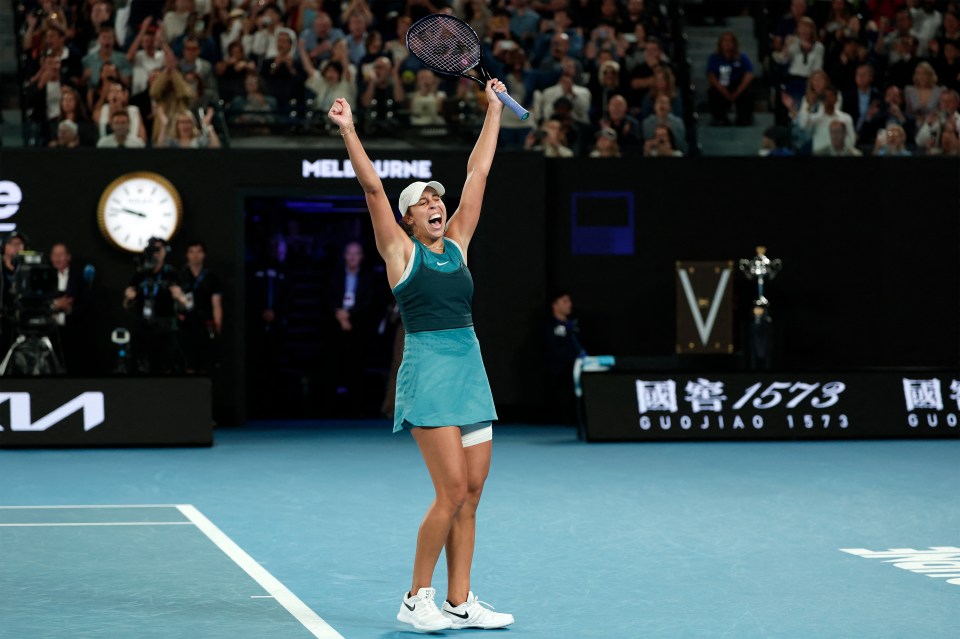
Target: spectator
817,123
229,27
802,54
191,63
94,16
662,144
72,109
949,32
426,103
118,99
926,23
730,73
664,83
563,348
607,85
841,63
550,140
68,135
120,138
253,109
552,64
327,85
947,66
642,76
662,117
396,49
575,133
170,91
949,144
840,144
203,314
356,38
817,85
901,61
55,42
567,87
923,96
383,95
477,14
233,70
606,145
282,74
520,81
880,116
627,128
892,143
863,96
928,135
145,57
44,92
560,24
263,43
175,20
320,37
524,22
106,54
777,142
186,133
374,49
70,308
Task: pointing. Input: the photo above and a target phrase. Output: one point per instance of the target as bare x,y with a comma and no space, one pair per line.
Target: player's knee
454,495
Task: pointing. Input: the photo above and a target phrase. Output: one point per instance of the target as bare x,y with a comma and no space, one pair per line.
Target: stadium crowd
598,76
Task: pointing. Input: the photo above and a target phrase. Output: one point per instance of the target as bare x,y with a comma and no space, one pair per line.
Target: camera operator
151,295
69,309
203,314
14,243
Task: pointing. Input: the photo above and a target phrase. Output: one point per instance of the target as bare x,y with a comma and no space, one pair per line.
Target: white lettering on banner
771,395
386,169
10,198
658,395
939,562
922,394
955,392
705,395
90,404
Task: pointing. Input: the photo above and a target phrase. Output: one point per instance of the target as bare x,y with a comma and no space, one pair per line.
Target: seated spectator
607,85
206,89
263,42
524,22
477,14
880,116
120,137
606,145
947,66
575,133
188,135
97,96
282,74
642,76
664,83
356,38
374,49
840,142
949,32
928,135
326,85
926,22
254,109
627,128
549,139
233,70
320,37
949,143
105,54
802,54
662,144
730,73
561,23
552,64
426,103
813,98
816,124
118,99
55,43
663,117
175,21
863,96
383,95
567,87
340,52
91,18
72,109
901,61
923,96
892,143
171,91
43,95
777,142
68,135
396,49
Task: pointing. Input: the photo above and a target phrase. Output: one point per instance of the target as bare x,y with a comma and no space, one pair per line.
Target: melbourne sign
621,406
386,169
121,411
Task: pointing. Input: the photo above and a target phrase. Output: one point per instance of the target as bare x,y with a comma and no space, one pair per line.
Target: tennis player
443,396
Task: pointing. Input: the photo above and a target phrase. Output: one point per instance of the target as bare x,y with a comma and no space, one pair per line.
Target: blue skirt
442,381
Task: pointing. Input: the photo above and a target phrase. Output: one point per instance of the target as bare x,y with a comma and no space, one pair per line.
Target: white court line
310,620
90,506
103,523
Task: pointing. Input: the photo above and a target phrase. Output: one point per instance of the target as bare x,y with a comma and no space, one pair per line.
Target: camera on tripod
34,288
150,258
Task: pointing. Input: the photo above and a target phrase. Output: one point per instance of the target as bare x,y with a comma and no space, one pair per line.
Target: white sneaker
471,614
421,612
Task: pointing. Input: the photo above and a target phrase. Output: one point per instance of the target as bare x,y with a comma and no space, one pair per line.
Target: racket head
446,45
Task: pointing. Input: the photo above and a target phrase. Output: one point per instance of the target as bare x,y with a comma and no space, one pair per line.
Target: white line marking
310,620
90,506
261,596
104,523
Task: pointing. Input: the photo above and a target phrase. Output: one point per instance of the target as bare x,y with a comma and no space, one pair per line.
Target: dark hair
192,243
336,66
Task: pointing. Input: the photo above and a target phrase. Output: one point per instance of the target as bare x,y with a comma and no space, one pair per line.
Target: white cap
412,193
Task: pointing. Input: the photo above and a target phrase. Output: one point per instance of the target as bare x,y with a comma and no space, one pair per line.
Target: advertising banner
621,406
129,411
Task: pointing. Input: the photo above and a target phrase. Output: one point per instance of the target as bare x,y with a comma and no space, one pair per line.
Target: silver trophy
760,268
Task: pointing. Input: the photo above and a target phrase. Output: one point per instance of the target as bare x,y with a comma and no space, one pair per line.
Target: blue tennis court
307,529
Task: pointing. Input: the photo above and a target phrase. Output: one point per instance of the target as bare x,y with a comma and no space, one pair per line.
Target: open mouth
436,221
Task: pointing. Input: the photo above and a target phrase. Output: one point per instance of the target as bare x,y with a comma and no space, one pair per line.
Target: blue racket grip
512,104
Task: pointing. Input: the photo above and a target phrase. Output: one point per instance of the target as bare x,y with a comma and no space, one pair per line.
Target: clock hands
137,213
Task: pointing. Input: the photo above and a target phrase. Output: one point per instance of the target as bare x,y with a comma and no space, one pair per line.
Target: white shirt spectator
143,66
800,64
135,120
818,125
579,96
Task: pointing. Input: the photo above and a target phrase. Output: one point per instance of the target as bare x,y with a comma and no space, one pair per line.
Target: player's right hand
340,113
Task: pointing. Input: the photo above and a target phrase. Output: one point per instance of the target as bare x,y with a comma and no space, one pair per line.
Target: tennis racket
451,46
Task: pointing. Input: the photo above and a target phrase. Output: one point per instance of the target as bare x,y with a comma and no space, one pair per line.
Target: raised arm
392,241
464,221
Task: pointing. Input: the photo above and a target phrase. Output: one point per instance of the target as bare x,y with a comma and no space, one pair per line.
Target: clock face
136,207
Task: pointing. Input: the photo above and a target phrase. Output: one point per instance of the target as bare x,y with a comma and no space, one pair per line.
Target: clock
136,207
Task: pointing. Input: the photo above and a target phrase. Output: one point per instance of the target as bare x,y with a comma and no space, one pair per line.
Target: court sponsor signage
642,406
937,562
10,198
386,169
122,411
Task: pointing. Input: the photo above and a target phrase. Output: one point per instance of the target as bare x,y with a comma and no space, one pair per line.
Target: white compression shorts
473,434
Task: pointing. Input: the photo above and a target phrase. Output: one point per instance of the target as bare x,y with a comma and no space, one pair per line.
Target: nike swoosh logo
463,616
442,263
411,608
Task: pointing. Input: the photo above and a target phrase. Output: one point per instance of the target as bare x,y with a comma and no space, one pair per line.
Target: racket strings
444,44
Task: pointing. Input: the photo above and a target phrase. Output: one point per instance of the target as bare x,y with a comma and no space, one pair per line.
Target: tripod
32,353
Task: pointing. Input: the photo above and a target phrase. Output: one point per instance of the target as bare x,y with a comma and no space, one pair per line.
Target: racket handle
512,104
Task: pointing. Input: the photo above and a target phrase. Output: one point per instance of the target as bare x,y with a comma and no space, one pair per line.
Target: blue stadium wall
871,247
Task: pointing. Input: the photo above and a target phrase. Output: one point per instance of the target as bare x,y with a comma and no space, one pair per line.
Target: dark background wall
871,248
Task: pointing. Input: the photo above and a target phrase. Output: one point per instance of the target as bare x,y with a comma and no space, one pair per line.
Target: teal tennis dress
441,381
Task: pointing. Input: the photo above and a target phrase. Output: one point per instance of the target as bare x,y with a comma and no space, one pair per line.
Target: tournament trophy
758,345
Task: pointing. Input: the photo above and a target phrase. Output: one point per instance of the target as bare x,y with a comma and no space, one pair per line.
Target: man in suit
70,310
857,102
